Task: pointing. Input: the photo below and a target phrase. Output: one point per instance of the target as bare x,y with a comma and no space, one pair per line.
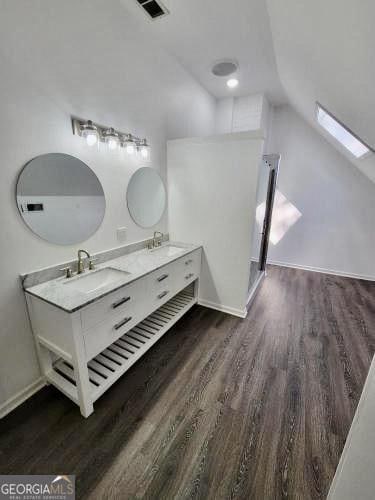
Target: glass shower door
261,232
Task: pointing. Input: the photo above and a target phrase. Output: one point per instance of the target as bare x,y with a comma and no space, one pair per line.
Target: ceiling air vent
154,9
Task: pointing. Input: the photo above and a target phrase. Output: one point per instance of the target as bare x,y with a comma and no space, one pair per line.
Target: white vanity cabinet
84,352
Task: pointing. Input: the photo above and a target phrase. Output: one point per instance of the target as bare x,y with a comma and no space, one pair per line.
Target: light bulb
91,138
144,151
111,138
129,144
90,132
232,83
112,143
130,149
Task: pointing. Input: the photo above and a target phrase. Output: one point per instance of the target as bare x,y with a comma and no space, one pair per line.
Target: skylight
341,133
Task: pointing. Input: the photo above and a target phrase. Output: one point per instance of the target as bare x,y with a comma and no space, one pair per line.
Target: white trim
353,429
54,348
226,137
254,289
219,307
21,396
322,270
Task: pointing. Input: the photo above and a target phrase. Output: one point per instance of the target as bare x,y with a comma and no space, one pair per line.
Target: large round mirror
146,197
60,198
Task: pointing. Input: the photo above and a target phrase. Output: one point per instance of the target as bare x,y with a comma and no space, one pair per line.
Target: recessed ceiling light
341,133
232,83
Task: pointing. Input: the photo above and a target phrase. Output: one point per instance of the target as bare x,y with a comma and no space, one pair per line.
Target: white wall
336,230
212,200
248,113
52,67
224,115
240,114
354,477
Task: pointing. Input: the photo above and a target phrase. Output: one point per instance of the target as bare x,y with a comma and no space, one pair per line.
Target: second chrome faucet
156,240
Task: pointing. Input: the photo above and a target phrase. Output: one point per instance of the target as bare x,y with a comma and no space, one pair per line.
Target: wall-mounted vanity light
144,149
114,139
111,138
90,132
129,144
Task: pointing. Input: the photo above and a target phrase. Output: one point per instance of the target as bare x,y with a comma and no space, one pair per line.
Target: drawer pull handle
163,294
163,277
122,323
120,302
187,262
188,276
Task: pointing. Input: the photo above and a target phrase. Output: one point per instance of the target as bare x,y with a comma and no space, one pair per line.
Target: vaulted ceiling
325,51
92,59
198,33
296,51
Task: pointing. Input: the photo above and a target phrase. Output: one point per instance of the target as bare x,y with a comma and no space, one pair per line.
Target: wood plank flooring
221,407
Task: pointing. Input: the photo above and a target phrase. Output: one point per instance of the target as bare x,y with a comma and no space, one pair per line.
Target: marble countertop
137,264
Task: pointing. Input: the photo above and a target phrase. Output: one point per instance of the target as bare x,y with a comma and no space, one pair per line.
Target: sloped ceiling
109,59
296,51
198,33
325,51
93,60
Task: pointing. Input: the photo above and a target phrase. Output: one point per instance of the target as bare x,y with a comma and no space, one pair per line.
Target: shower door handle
264,228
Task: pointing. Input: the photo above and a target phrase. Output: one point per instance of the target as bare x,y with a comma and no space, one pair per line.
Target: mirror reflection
60,198
146,197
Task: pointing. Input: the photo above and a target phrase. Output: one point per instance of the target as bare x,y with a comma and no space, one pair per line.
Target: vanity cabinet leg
81,371
83,389
43,354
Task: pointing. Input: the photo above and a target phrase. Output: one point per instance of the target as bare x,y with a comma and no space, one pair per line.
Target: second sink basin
168,250
88,283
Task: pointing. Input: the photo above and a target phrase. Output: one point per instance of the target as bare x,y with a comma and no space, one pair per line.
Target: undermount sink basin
168,250
88,283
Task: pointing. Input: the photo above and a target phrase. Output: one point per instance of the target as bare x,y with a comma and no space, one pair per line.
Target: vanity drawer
159,297
100,336
162,279
127,299
187,269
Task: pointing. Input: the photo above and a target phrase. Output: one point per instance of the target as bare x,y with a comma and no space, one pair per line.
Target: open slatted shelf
110,364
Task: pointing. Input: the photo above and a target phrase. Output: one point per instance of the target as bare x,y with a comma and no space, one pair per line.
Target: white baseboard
254,289
21,396
322,270
219,307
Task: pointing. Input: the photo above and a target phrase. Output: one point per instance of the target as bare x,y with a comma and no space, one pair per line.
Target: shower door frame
273,162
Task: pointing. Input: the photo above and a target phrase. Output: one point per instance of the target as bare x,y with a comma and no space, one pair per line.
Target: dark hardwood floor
220,407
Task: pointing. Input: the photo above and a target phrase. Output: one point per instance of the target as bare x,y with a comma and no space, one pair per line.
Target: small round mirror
60,198
146,197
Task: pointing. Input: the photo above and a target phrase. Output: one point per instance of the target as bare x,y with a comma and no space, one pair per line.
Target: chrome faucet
156,240
81,264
